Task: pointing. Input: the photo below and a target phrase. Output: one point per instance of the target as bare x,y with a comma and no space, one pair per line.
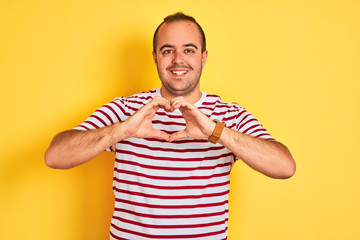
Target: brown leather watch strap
215,136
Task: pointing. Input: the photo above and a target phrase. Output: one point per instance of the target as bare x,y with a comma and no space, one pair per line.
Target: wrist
211,128
118,132
216,133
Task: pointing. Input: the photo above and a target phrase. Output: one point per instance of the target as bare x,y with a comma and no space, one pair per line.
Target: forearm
268,157
74,147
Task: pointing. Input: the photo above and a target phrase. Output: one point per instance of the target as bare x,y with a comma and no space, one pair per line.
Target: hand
139,125
198,125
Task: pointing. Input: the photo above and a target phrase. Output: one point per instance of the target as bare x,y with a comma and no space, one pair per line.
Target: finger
152,107
163,103
177,100
181,103
160,134
168,107
159,101
178,135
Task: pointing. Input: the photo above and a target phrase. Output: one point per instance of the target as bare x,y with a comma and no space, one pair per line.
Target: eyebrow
171,46
166,46
191,45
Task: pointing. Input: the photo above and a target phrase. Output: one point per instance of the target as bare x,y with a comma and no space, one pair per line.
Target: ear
154,57
204,56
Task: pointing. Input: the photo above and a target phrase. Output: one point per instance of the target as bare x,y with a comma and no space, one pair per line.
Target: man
173,160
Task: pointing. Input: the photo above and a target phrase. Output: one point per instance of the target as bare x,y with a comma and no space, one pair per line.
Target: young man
175,146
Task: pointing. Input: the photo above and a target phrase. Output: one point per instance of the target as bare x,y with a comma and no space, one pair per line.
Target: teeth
179,72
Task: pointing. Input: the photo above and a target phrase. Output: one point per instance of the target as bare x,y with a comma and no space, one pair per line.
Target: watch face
218,120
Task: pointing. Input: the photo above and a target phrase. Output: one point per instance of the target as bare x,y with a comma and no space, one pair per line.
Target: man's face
178,57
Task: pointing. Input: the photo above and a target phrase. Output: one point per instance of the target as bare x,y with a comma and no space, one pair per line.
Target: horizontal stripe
232,126
134,109
135,101
171,216
152,236
268,136
218,105
248,130
171,178
234,117
92,124
256,131
211,103
217,110
169,115
83,126
123,181
106,115
206,195
177,226
113,110
138,145
212,95
192,141
116,237
204,205
168,123
99,119
220,165
160,158
247,119
125,113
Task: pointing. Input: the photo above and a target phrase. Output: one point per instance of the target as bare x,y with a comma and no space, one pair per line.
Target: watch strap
215,136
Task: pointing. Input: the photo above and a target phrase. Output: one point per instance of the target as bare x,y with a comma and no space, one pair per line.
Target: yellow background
293,64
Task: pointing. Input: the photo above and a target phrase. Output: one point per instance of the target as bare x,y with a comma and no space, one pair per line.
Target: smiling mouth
179,73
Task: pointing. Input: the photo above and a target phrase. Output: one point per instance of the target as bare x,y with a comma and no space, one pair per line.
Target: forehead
179,33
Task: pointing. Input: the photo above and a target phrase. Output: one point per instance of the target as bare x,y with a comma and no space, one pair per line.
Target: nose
178,58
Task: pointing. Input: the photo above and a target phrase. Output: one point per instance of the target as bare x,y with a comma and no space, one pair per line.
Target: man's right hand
139,125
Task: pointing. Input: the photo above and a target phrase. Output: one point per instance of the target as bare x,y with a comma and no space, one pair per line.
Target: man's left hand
198,125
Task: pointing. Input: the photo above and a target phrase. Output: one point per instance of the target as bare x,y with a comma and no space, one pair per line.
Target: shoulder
216,108
136,100
214,102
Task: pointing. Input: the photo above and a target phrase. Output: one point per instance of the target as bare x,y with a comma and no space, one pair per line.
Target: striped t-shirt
172,190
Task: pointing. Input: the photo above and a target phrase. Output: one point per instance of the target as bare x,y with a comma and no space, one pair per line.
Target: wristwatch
215,136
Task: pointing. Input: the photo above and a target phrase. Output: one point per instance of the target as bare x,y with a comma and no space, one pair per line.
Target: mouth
179,72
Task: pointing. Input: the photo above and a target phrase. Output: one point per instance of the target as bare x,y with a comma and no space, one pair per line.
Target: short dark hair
179,16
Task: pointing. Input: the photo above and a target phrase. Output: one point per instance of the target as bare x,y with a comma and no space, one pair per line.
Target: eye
167,51
189,50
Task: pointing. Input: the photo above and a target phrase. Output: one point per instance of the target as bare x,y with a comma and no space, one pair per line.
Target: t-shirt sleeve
108,114
246,123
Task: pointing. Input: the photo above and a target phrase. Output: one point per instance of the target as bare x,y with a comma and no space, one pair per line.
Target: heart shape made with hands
198,125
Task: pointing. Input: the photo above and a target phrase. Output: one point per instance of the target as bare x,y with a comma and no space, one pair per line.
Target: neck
192,97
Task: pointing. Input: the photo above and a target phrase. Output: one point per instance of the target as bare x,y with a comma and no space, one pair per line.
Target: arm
74,147
268,157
